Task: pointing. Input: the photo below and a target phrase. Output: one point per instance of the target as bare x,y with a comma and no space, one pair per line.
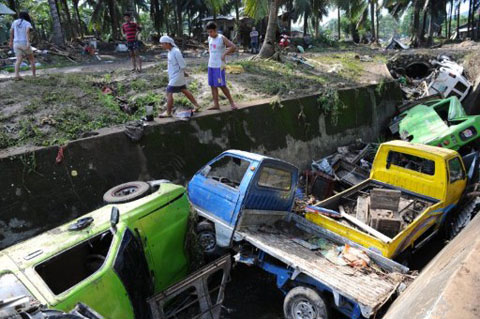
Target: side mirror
114,217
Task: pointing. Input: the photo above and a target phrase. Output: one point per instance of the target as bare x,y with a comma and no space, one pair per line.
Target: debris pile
419,76
380,212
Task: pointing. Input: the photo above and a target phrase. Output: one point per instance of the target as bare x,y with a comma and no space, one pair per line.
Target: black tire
305,303
126,192
207,237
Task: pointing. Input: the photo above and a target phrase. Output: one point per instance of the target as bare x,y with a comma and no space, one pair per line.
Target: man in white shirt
176,76
20,42
218,48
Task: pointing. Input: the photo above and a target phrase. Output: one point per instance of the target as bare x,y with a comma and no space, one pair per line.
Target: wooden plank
362,209
368,289
364,226
381,198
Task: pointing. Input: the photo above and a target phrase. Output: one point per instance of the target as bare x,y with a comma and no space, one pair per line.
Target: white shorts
22,50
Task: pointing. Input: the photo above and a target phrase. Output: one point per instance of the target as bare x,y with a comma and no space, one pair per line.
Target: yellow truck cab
403,203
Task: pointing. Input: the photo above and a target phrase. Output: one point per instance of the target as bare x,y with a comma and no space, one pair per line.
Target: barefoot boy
218,47
176,75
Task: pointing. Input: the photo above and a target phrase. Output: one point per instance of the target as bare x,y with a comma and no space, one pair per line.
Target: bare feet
196,109
234,106
18,78
214,108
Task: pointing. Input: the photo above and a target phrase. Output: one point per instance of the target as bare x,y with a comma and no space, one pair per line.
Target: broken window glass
456,170
275,178
411,162
70,267
228,170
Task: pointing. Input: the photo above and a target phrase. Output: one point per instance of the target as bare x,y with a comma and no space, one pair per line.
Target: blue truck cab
237,180
244,202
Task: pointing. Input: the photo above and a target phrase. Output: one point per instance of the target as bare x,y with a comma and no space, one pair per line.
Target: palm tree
57,27
259,9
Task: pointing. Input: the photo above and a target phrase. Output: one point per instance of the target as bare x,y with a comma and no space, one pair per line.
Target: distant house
225,24
463,32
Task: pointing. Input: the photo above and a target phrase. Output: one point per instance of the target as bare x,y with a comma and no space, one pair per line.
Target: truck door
456,180
131,267
217,187
273,187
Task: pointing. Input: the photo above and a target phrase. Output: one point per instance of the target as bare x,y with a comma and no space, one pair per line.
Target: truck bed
370,289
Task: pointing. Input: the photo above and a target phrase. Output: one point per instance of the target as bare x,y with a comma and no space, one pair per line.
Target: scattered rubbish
121,48
234,69
397,194
60,155
301,60
395,44
135,130
183,115
364,58
107,90
74,173
355,257
49,120
438,122
300,49
419,76
335,68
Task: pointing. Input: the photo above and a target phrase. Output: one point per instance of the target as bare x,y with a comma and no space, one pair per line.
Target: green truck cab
111,259
440,122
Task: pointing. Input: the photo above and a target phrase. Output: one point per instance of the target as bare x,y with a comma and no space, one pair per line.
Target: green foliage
330,104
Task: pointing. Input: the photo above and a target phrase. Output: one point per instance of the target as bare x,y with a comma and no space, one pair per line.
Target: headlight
468,133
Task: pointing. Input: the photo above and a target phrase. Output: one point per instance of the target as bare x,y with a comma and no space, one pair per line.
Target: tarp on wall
5,10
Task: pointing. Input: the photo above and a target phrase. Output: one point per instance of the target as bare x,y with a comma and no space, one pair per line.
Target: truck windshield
275,178
411,162
456,170
228,170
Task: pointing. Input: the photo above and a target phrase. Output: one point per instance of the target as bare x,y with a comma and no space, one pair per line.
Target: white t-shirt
20,28
176,66
216,48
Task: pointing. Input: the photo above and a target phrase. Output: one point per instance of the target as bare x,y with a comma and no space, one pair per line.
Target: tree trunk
338,23
155,15
179,18
372,18
458,20
353,27
377,20
13,5
290,10
469,19
113,19
430,25
72,26
416,22
57,27
305,23
81,26
449,33
268,47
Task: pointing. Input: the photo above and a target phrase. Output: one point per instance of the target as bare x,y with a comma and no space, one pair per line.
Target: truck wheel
207,237
304,303
126,192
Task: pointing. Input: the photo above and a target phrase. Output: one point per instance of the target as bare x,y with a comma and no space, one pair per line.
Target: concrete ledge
38,194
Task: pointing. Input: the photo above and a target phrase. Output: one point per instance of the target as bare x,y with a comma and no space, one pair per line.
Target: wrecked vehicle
114,259
411,195
245,200
442,123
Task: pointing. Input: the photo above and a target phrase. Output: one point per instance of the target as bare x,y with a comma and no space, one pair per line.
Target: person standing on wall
176,76
20,42
131,30
254,41
218,47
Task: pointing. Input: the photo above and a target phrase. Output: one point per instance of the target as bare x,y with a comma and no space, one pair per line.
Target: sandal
165,115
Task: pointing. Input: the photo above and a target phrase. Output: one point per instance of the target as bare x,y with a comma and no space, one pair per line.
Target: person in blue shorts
218,47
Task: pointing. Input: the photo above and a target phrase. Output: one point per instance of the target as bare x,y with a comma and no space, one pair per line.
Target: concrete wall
38,194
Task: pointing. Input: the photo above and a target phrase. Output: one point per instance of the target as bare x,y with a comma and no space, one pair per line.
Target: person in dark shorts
176,76
130,31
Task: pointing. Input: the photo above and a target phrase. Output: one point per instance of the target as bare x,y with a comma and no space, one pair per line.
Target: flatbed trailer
356,293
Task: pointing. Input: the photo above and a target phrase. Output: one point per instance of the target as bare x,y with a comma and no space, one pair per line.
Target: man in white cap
176,75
